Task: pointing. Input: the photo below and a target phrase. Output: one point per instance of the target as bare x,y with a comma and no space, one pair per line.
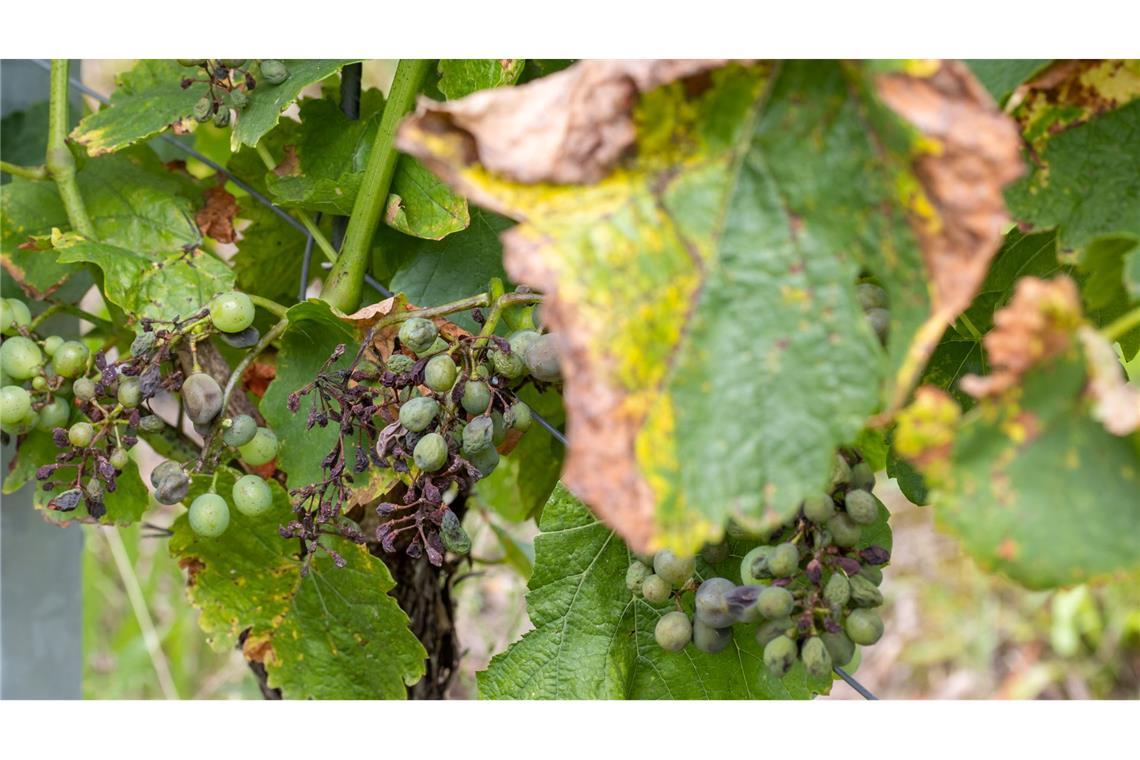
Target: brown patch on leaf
1036,325
925,432
216,218
1116,403
290,164
1076,91
567,128
192,566
258,376
258,648
1008,550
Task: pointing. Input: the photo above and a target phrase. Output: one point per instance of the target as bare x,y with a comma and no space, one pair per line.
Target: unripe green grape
398,364
521,341
418,334
130,393
430,453
754,566
84,389
192,62
14,314
477,435
485,460
510,366
864,593
209,515
222,119
438,347
202,109
234,63
780,655
261,449
635,575
80,434
819,509
816,658
840,472
775,602
39,383
498,428
273,71
863,477
709,639
711,602
54,414
870,296
673,631
23,425
673,569
202,398
872,573
784,561
119,458
773,629
864,626
844,531
837,591
476,397
15,403
240,431
518,416
21,357
70,359
252,496
231,312
655,589
880,322
52,344
440,373
418,414
541,358
841,648
861,507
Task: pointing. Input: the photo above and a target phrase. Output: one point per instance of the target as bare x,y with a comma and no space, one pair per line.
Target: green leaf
334,633
146,100
460,77
518,555
421,205
267,101
35,450
23,135
269,255
593,640
30,208
1001,76
1038,489
431,273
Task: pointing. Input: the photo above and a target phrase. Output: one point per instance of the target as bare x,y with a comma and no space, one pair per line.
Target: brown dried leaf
216,218
1116,403
290,163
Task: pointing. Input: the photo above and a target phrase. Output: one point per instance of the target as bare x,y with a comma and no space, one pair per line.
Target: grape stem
26,172
1118,328
301,215
271,306
59,161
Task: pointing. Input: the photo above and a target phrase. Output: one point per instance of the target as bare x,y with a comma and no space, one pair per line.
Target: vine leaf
29,208
266,102
593,640
269,255
1001,76
704,282
461,77
333,633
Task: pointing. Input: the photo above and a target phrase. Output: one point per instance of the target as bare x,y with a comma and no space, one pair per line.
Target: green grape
711,602
234,63
509,365
24,425
222,119
520,342
754,566
784,561
773,629
21,357
816,658
80,434
14,314
714,554
84,389
54,414
498,428
655,589
202,398
861,507
780,655
261,449
837,591
542,358
709,639
673,569
39,382
240,431
673,631
119,458
52,344
70,359
635,575
840,472
864,626
239,99
418,414
418,334
863,477
273,71
252,496
476,397
841,648
430,453
485,460
844,531
231,312
209,515
398,364
151,423
819,509
872,573
775,602
880,322
518,416
15,403
870,296
192,62
440,373
130,393
477,435
202,109
438,347
864,593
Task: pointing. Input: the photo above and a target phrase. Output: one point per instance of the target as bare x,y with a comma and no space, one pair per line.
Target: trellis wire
305,263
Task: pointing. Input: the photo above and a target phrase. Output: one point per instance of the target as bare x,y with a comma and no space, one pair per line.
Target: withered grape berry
476,397
209,515
784,561
440,373
844,531
635,576
202,398
773,629
170,481
273,71
872,573
509,365
711,602
673,631
864,626
21,357
430,452
70,359
418,334
398,364
841,648
252,496
542,358
261,449
861,507
775,602
710,639
838,590
864,593
780,655
816,658
518,416
241,431
15,403
231,312
80,434
498,428
521,341
452,535
485,460
655,589
202,108
477,434
754,566
674,570
418,414
819,509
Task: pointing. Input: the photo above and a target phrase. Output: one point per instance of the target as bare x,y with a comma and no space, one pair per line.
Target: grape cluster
435,411
230,82
808,590
97,408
